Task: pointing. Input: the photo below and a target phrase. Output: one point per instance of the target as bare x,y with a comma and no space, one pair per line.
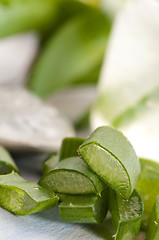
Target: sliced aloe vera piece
85,39
126,215
62,196
20,16
50,163
72,176
69,147
149,163
21,197
112,157
84,209
148,186
7,164
153,226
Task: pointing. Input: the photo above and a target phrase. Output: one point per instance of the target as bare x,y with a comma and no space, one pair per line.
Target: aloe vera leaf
91,2
148,186
22,197
112,157
153,226
71,54
83,121
69,147
20,16
68,9
7,164
139,108
50,163
84,209
72,176
149,163
126,215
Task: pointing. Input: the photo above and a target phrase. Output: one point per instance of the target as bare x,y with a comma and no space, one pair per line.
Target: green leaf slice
22,197
20,16
7,164
72,176
50,163
148,186
149,163
153,226
69,147
140,107
84,209
71,54
112,157
126,215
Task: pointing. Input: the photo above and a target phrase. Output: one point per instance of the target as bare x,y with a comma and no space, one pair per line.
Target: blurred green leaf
66,9
91,2
72,53
94,3
83,121
140,107
18,16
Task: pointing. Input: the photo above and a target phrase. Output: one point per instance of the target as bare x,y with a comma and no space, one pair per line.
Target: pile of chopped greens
87,178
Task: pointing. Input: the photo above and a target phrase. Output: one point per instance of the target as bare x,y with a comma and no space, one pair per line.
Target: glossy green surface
112,157
20,16
84,209
7,164
22,197
69,147
148,186
149,163
72,176
153,226
50,163
72,54
126,215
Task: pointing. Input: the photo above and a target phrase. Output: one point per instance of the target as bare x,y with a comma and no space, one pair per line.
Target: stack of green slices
87,178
